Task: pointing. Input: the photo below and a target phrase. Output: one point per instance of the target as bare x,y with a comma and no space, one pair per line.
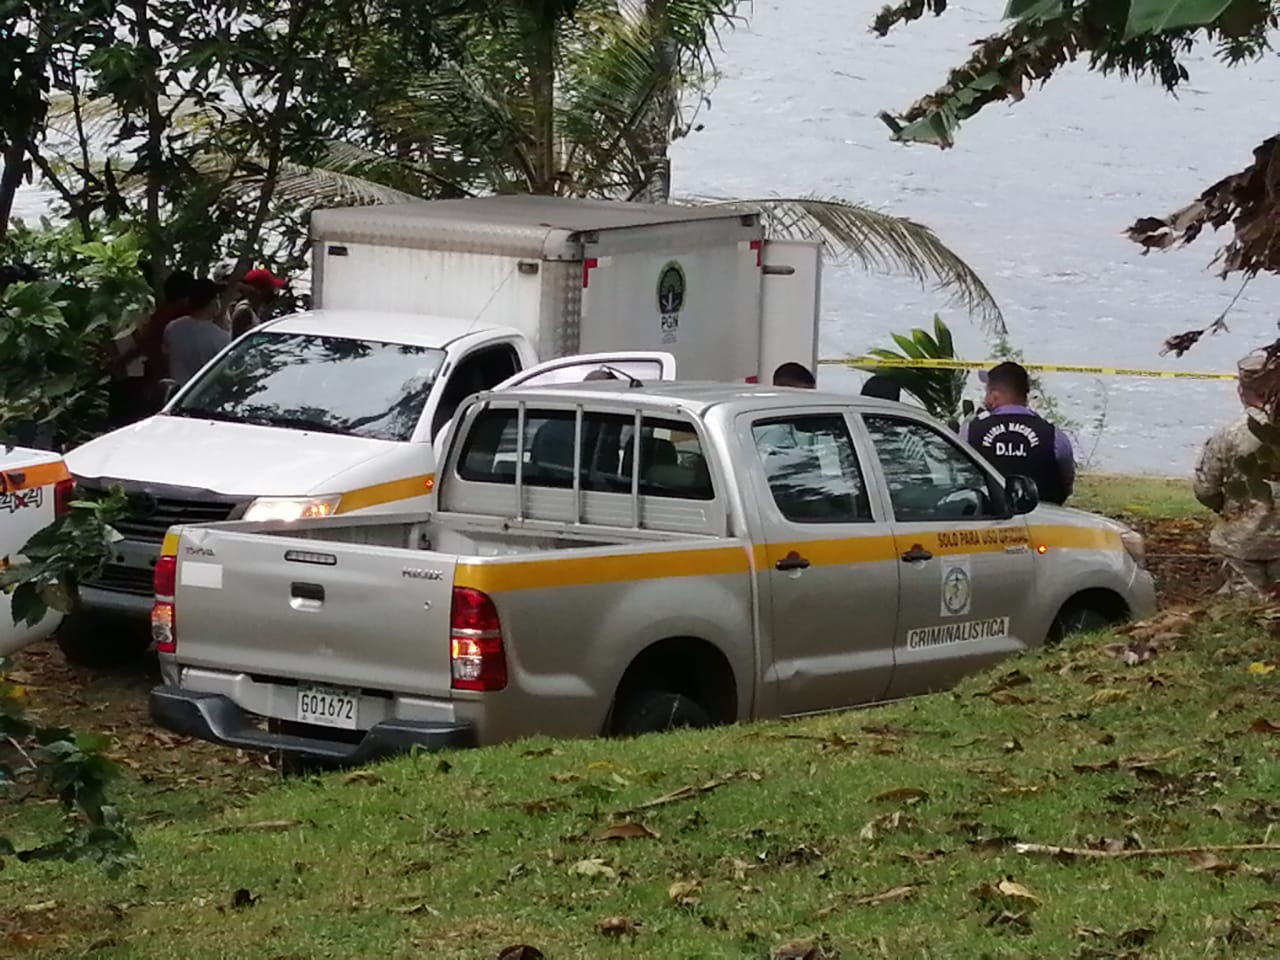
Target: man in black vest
1017,441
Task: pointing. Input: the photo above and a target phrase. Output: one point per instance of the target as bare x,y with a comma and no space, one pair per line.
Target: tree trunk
10,180
665,104
540,60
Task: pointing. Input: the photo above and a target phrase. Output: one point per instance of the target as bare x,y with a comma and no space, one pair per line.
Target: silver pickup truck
614,558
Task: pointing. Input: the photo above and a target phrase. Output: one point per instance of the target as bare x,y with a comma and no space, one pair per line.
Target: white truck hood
236,459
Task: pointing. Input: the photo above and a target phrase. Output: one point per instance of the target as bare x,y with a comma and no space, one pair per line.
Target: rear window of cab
671,459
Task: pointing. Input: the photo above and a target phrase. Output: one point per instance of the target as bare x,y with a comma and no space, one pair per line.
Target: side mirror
1021,494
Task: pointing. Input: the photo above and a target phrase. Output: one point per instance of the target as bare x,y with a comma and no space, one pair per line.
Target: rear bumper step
211,716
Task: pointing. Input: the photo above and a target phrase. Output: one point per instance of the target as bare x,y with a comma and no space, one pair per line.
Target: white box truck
418,306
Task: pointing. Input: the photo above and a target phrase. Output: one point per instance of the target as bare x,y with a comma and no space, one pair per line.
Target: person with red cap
258,288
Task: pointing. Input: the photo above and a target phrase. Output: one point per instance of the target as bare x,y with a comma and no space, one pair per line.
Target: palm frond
878,241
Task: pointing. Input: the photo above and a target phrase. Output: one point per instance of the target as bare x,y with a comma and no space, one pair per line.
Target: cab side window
671,460
476,372
812,469
930,477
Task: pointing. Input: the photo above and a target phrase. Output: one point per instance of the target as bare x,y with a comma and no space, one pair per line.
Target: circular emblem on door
955,590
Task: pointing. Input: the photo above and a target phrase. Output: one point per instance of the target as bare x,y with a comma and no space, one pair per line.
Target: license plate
327,707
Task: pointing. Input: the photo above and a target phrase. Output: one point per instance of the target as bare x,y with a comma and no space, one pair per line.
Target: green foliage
74,769
71,767
73,548
57,333
940,391
1138,38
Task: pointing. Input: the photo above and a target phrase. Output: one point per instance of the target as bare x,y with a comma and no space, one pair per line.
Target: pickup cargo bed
334,601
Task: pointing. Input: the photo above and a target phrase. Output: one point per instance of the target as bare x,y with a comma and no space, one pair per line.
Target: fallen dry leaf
1260,669
907,795
594,868
1208,862
1006,889
1263,725
1147,760
521,951
740,868
893,895
1108,695
543,806
885,823
362,776
618,927
627,831
885,747
44,906
683,892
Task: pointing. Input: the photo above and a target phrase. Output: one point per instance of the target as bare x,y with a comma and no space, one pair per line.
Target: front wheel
655,711
102,640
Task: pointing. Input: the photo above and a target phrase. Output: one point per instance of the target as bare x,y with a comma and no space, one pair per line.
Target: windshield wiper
298,423
200,414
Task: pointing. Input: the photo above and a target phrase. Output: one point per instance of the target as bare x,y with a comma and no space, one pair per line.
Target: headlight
1136,545
292,508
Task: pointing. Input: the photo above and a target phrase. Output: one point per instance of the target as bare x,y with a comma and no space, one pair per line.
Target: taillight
163,628
163,624
62,491
165,579
476,658
753,379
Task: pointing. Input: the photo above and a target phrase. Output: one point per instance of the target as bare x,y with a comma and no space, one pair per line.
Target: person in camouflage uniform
1247,531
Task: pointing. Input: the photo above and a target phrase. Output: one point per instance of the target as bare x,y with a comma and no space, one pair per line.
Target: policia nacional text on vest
1020,443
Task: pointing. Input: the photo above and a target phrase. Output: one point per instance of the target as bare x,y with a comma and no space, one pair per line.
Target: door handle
792,561
307,591
916,554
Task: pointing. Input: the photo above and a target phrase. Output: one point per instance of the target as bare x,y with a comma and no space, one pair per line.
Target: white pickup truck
35,489
335,411
615,559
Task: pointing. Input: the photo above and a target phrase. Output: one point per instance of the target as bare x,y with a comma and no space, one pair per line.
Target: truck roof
415,329
695,396
518,225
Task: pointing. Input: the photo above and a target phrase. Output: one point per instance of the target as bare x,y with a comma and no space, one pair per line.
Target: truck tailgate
355,615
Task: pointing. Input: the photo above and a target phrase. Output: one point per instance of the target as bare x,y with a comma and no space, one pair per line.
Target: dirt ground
115,703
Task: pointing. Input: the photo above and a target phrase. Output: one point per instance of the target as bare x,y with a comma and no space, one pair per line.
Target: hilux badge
417,573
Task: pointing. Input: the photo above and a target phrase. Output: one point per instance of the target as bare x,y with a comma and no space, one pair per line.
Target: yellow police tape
1037,367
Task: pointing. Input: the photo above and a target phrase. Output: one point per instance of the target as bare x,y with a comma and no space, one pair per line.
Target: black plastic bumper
211,716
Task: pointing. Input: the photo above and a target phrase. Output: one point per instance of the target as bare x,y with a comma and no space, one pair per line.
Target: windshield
304,382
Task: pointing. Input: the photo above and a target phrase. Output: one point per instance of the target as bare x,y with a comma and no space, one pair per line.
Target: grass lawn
886,832
1116,495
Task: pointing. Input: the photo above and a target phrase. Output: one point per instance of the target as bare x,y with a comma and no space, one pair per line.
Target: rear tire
656,711
1077,618
102,640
